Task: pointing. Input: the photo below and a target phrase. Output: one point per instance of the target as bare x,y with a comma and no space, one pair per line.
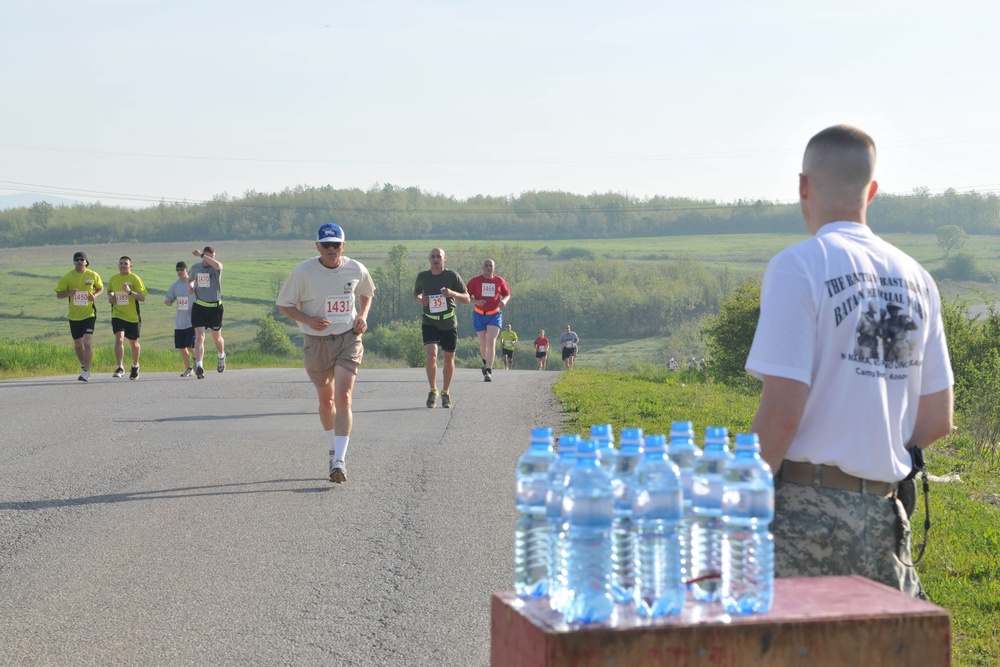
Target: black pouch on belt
906,492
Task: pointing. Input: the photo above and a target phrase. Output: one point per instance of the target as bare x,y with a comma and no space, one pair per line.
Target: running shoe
134,374
445,399
187,373
487,375
119,372
84,376
432,398
222,364
200,372
338,472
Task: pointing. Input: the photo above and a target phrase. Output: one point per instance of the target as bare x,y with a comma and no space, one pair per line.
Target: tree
730,334
397,276
272,339
951,237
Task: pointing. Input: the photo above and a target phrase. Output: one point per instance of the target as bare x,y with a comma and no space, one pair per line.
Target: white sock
197,363
340,447
222,356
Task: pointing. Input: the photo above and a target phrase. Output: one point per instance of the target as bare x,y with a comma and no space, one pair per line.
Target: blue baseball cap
330,232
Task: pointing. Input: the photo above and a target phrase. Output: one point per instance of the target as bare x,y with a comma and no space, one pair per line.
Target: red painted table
821,621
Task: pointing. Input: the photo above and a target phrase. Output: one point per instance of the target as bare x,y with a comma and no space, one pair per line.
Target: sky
133,102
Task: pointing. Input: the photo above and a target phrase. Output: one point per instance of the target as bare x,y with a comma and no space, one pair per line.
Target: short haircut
208,248
842,154
124,257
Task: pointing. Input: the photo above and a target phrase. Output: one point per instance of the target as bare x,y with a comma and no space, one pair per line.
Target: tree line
391,212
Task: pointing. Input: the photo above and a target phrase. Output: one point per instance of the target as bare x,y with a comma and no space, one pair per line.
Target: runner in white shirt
329,297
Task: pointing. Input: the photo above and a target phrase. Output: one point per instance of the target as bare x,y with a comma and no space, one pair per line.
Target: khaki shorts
322,353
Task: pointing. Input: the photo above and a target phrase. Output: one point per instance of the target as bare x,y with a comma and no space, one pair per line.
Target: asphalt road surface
172,521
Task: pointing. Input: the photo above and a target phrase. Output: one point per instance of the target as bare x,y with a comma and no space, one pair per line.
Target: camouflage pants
827,532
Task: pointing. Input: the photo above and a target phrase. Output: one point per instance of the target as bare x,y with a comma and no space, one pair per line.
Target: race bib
183,303
338,309
80,298
121,298
204,280
542,348
489,290
437,303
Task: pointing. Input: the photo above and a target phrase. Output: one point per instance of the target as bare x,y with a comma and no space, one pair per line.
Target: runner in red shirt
541,349
489,294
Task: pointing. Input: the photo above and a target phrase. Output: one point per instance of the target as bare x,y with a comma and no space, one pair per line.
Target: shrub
574,253
398,340
730,334
272,339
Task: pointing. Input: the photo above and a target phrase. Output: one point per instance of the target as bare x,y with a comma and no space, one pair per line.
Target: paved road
174,521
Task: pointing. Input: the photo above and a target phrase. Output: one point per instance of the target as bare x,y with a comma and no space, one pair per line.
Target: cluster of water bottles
650,524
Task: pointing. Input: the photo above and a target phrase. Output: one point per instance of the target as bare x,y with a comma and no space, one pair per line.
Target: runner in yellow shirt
508,341
81,287
125,292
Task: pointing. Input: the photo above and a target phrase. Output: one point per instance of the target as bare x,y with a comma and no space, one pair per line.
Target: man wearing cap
437,290
205,284
81,287
125,292
183,331
329,296
489,294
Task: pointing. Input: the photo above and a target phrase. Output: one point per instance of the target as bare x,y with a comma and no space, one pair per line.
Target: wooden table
819,621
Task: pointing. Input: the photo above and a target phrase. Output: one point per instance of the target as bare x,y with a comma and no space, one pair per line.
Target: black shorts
184,338
131,329
540,355
569,352
508,353
208,317
80,328
447,339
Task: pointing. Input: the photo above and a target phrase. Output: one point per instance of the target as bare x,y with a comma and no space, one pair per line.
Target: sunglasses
79,259
326,245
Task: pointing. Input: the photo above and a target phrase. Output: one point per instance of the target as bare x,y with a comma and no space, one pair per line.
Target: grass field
31,311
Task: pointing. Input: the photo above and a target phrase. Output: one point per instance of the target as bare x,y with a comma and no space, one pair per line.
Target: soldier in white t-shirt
837,420
330,296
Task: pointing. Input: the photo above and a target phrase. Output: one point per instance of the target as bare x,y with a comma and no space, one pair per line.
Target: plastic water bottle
706,506
531,533
622,528
658,512
748,546
685,453
553,507
604,436
589,506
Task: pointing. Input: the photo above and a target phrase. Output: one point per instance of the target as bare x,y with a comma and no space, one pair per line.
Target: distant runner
81,287
125,292
183,331
508,341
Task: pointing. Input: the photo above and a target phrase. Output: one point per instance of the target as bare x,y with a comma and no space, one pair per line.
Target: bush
574,253
398,340
272,339
730,335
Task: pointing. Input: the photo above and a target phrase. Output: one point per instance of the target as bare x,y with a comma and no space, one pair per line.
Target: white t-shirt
319,291
859,321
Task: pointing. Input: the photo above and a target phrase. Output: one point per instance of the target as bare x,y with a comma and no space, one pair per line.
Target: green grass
30,310
961,571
